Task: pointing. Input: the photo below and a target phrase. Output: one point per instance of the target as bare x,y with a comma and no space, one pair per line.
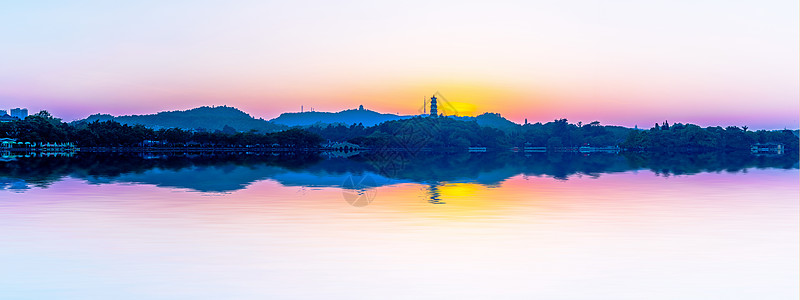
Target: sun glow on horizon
620,63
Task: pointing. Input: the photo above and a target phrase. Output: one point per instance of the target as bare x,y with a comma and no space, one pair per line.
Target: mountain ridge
208,118
347,117
212,118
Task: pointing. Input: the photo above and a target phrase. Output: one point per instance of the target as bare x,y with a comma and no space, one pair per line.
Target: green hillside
201,118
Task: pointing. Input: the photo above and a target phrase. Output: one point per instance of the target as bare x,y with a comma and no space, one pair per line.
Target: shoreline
362,150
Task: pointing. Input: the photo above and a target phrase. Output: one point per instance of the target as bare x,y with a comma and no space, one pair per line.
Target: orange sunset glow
617,63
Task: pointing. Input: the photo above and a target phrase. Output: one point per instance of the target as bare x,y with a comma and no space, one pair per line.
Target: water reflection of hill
230,172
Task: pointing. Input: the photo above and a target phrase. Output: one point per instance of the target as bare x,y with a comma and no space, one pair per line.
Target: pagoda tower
434,111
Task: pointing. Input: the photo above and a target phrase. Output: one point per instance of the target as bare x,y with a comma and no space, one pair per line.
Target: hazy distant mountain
347,117
216,118
370,118
208,118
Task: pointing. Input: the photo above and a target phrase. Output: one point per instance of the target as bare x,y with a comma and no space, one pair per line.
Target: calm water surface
81,228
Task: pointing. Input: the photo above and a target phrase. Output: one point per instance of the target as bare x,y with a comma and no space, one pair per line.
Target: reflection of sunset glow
461,190
699,234
468,199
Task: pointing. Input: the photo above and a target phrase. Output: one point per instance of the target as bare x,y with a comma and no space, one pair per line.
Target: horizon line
389,113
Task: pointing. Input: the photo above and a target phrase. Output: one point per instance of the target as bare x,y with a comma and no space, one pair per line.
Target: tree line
42,127
449,133
414,133
692,138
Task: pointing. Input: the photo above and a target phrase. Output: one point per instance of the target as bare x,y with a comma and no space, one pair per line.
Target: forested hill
493,120
372,118
204,118
346,117
412,133
217,118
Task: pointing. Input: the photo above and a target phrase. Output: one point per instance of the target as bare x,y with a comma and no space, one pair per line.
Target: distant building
767,148
434,110
3,112
7,118
361,107
20,113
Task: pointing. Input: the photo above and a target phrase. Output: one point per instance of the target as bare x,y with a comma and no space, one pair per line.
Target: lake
399,226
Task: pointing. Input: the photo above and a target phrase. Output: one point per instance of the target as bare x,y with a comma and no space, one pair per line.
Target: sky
618,62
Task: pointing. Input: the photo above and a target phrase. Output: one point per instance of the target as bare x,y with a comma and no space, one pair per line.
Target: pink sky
619,63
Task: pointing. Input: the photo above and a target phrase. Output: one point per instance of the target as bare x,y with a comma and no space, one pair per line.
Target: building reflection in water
434,194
